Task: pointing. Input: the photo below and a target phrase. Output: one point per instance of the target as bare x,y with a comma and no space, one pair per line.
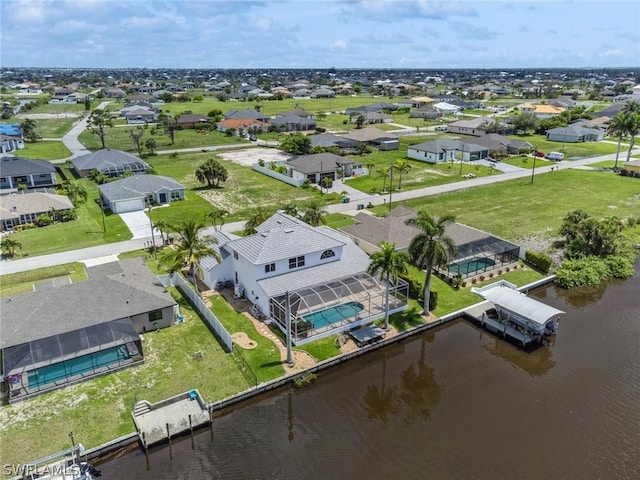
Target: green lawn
322,349
55,127
45,151
571,150
99,410
526,162
17,283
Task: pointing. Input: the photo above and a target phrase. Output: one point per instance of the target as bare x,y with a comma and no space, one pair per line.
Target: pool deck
159,422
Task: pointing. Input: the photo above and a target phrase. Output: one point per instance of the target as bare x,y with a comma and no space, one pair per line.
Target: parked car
539,154
253,138
441,128
555,156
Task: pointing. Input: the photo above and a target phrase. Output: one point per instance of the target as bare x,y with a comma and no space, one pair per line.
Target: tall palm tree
370,166
631,111
431,248
258,215
384,173
314,213
389,263
75,191
9,246
190,249
402,166
617,128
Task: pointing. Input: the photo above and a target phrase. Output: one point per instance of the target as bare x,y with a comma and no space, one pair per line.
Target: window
270,267
296,262
327,254
175,195
155,315
235,255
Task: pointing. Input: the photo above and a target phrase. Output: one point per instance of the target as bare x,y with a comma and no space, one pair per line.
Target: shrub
619,266
507,269
491,275
26,226
433,300
499,272
304,380
631,221
44,220
474,281
586,271
482,277
261,162
540,261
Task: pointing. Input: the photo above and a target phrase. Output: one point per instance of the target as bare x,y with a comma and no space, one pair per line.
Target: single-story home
328,140
139,114
446,108
191,120
64,333
477,251
113,163
16,171
542,111
293,123
447,150
496,142
426,112
134,193
20,208
298,112
476,126
317,166
114,92
631,168
316,274
245,114
11,138
372,117
574,133
241,126
374,136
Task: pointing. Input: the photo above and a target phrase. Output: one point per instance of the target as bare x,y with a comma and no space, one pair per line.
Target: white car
441,128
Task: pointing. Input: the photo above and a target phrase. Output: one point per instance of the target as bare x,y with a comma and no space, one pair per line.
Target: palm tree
258,215
401,165
75,191
389,263
381,402
370,166
9,246
163,227
216,217
291,209
631,111
431,248
384,173
191,248
617,128
314,213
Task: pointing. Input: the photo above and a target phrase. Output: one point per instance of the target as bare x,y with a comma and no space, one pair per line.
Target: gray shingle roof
369,134
445,144
137,186
130,291
12,166
316,163
107,160
16,204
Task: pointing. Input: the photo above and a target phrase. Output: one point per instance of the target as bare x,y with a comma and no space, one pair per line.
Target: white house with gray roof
447,150
323,271
21,208
132,194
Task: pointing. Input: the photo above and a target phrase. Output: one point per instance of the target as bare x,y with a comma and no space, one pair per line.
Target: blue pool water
469,267
76,366
331,315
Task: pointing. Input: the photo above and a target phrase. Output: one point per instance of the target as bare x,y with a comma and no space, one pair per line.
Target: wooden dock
159,422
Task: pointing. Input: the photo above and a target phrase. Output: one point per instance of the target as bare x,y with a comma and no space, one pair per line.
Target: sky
319,34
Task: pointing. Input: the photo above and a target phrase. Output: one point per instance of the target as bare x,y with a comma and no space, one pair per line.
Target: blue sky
320,34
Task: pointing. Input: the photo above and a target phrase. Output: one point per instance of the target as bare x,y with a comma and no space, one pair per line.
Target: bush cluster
540,261
591,270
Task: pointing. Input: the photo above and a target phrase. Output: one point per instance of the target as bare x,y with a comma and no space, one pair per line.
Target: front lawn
45,151
524,161
571,150
55,127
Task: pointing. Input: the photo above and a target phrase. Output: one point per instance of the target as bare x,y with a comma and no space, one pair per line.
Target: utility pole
533,170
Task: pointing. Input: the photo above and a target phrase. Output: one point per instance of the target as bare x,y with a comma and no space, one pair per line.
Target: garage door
129,206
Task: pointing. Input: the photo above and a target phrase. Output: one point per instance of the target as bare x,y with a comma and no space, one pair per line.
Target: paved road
71,141
13,266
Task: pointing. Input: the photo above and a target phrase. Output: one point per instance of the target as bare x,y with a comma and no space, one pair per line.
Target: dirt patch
243,341
301,361
48,116
249,156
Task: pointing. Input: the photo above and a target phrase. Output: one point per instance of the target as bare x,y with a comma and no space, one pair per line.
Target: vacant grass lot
119,138
45,151
571,150
99,410
526,162
22,282
55,127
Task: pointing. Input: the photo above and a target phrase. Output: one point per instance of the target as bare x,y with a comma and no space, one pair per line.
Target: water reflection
584,296
536,362
416,395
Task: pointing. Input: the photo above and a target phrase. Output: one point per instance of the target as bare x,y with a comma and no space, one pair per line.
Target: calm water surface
454,403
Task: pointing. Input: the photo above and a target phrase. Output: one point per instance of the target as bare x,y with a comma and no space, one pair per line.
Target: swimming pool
76,366
471,266
331,315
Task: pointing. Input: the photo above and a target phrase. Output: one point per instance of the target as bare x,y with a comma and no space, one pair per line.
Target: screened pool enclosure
481,255
328,308
58,360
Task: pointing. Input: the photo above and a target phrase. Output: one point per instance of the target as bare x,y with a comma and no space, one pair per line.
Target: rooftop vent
288,230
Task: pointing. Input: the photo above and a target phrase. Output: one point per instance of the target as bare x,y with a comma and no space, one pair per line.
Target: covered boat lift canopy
524,310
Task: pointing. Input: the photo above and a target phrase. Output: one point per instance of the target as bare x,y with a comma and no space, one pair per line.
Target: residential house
327,140
446,108
542,111
137,114
426,112
134,193
375,137
370,118
631,168
114,92
476,126
574,133
298,112
293,123
447,150
11,138
323,92
317,166
476,250
496,142
246,114
63,333
315,273
20,208
112,163
564,102
242,126
191,120
16,171
414,102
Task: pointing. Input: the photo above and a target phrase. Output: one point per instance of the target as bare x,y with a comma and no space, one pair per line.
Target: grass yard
264,360
119,138
55,127
17,283
517,209
526,162
45,151
244,189
99,410
322,349
571,150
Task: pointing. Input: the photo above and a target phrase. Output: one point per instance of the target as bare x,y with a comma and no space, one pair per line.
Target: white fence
296,182
177,280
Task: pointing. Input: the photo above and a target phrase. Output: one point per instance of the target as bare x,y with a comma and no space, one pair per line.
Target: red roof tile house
242,125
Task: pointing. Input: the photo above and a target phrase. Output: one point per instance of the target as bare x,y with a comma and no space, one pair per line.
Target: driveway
138,223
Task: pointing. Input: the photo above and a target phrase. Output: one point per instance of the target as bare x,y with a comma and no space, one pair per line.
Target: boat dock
479,313
159,422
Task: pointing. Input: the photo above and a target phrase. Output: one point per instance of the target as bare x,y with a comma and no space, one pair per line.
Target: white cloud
27,12
339,45
612,52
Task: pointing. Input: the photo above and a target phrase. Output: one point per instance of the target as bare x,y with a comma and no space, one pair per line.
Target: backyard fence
177,280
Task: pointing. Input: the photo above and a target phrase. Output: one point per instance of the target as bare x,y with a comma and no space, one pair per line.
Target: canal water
453,403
